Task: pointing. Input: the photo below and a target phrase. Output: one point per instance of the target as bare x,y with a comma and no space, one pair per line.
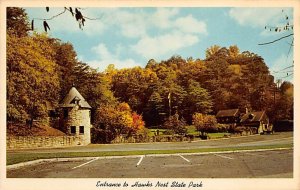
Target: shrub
175,124
205,123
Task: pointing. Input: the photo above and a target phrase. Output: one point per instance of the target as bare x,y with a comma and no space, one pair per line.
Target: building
230,116
75,116
258,121
245,123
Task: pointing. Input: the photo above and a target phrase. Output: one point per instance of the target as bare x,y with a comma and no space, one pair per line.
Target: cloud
129,22
161,18
257,17
106,57
102,51
154,47
191,25
147,32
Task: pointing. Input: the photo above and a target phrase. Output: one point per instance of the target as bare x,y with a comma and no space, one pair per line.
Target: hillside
36,130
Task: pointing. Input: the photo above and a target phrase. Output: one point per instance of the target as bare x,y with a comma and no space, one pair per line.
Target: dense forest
41,70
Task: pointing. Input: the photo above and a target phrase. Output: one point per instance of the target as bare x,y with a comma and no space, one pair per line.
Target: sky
129,37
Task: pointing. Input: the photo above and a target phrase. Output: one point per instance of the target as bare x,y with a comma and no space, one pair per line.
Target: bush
175,124
205,123
168,132
100,136
223,128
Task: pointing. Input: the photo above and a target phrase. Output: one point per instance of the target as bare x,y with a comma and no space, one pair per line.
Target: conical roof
72,97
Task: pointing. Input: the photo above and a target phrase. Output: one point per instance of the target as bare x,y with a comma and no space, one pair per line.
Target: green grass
217,135
24,157
191,130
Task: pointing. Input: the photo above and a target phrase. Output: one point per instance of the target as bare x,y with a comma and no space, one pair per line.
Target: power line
282,72
287,76
277,39
284,69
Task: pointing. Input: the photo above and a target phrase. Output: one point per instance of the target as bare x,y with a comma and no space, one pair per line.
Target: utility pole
277,85
170,109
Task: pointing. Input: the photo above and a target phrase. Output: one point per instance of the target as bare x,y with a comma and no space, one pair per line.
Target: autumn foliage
41,69
204,123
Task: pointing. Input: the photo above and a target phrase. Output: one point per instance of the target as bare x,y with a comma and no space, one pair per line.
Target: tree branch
277,39
52,16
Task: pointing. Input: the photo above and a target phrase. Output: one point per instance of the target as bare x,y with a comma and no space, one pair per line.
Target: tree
197,100
212,51
114,119
17,22
138,125
204,123
284,105
32,79
154,113
234,51
65,57
74,12
175,124
134,86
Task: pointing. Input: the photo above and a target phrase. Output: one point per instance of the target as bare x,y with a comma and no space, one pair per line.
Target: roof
73,94
228,113
256,116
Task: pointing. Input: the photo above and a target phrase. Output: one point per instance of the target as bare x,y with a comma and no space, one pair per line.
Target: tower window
81,129
73,130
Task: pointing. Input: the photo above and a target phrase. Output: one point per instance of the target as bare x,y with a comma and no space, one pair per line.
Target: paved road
253,164
256,140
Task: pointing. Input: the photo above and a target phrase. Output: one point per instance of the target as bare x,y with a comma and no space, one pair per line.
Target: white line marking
140,160
184,158
223,156
86,163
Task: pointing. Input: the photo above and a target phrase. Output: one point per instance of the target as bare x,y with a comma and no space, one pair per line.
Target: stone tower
75,116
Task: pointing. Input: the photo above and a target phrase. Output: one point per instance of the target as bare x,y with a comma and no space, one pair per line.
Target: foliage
138,124
17,21
175,124
31,72
112,121
41,70
204,123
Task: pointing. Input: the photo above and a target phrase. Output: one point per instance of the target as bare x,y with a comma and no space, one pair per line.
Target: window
81,129
65,113
73,130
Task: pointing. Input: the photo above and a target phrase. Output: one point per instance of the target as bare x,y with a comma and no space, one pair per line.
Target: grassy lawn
217,135
17,158
191,130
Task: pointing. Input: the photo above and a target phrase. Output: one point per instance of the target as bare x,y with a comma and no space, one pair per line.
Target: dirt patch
35,130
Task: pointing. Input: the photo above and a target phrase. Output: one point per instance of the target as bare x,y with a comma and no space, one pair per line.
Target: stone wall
26,142
79,117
